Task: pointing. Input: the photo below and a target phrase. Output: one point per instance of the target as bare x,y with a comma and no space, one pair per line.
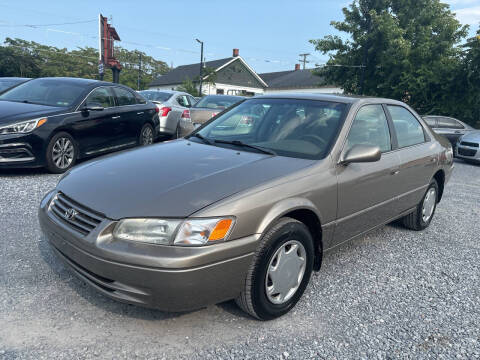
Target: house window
220,92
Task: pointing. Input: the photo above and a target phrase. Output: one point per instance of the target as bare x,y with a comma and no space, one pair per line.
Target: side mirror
361,154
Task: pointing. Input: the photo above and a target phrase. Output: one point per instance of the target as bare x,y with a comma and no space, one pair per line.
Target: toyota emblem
70,214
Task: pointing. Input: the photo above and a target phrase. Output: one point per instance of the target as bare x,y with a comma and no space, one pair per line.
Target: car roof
81,81
166,91
13,78
349,99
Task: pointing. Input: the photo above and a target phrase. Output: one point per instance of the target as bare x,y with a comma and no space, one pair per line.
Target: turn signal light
165,110
220,230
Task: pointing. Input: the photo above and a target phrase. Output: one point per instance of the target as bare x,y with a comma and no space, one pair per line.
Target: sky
269,33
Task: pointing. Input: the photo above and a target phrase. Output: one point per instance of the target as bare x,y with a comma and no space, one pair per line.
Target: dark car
52,122
246,212
7,83
210,105
453,129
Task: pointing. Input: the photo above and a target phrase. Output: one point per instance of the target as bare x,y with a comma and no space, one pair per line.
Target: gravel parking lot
393,294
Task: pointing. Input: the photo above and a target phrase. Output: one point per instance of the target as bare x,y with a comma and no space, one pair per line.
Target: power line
58,24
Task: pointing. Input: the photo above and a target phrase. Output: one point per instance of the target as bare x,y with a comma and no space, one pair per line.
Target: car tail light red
165,110
157,110
186,114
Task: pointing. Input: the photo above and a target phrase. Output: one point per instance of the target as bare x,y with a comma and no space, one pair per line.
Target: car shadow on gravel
23,172
66,276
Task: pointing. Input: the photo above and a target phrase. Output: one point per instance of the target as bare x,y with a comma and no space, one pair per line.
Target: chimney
235,52
297,67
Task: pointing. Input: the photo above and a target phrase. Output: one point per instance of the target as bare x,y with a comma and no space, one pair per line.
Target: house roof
184,72
293,79
192,71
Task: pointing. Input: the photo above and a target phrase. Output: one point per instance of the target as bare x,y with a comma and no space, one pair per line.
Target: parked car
210,105
7,83
246,215
468,147
449,127
174,111
52,122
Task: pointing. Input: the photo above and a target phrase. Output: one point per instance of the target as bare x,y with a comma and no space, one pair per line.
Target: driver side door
93,129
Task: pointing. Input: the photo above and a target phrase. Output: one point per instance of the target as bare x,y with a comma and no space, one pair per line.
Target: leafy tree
189,86
30,59
403,49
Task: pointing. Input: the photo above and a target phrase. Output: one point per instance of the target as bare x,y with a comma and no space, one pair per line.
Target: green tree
30,59
189,86
403,49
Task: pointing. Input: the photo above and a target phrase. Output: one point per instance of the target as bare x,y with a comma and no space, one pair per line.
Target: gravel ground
392,294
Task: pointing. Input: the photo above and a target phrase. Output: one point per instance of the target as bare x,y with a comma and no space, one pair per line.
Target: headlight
190,232
22,127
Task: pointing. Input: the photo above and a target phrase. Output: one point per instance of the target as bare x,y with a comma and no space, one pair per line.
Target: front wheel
422,216
61,153
279,272
146,135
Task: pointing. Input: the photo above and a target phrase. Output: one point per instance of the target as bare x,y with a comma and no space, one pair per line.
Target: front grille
466,152
466,143
76,216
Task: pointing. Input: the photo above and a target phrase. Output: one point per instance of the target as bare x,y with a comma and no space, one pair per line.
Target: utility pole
304,61
139,70
201,65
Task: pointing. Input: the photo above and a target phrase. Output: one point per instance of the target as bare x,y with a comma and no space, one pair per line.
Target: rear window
217,102
155,95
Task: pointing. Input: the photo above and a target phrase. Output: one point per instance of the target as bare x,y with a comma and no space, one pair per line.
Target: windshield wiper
240,143
201,137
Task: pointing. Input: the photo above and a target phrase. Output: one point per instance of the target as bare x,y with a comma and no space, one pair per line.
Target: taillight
165,110
157,110
186,114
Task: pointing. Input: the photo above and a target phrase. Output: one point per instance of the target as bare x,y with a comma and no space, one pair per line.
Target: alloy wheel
63,152
285,272
147,136
429,204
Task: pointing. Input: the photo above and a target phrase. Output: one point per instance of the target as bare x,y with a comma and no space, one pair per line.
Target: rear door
367,191
130,117
93,129
418,156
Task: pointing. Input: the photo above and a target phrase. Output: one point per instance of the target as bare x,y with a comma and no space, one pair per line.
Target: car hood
472,136
11,111
173,179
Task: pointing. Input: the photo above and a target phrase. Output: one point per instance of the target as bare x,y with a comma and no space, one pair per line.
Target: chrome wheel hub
285,272
429,204
63,152
147,136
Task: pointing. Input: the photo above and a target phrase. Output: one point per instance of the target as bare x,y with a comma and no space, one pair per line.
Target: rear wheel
146,135
279,272
421,217
61,153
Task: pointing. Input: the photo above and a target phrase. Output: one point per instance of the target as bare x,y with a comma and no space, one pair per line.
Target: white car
468,147
174,111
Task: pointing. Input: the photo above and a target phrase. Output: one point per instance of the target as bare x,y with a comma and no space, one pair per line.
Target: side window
124,97
192,100
140,99
458,125
100,97
408,129
182,100
370,127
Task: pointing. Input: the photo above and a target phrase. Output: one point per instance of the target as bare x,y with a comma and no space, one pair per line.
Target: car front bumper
21,150
168,278
467,152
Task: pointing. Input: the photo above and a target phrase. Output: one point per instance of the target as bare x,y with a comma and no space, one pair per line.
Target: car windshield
51,92
217,101
8,83
156,95
287,127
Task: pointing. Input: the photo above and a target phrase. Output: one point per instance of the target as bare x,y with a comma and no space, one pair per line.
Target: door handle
394,172
140,113
116,117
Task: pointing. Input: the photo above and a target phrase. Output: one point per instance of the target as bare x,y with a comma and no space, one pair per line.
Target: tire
146,136
285,234
416,220
62,153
